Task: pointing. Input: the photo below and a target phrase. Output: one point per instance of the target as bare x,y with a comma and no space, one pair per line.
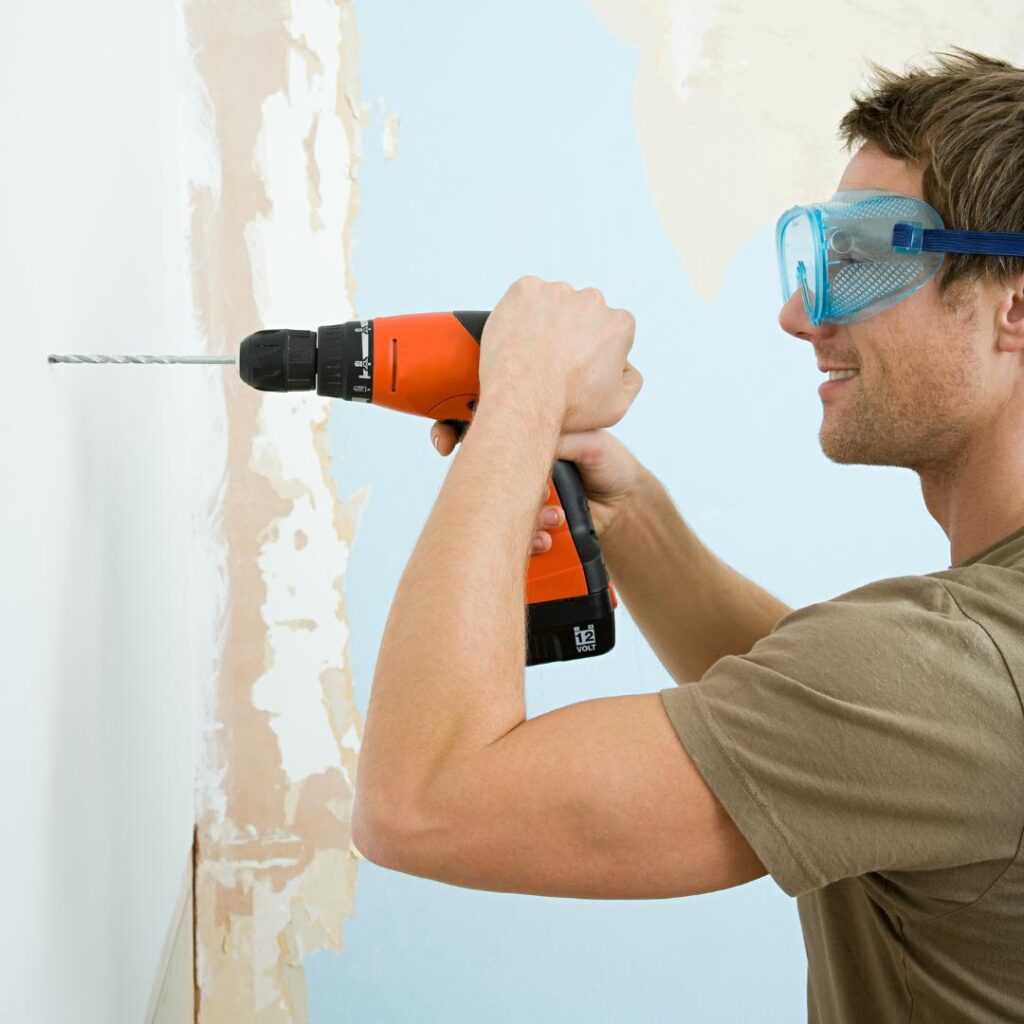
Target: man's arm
598,799
691,607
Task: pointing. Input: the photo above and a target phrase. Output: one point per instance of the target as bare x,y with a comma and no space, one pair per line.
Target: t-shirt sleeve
876,731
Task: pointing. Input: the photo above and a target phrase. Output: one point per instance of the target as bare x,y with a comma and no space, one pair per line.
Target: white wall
107,592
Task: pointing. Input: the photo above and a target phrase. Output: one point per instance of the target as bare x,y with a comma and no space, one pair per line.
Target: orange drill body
428,364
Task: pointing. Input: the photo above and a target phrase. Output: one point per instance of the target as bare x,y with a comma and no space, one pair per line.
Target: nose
793,320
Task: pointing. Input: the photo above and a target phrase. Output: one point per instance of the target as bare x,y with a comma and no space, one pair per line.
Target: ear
1010,316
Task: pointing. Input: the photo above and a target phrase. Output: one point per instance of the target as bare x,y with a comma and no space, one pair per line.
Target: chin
850,449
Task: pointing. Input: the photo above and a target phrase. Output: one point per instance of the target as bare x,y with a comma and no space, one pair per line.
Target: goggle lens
797,257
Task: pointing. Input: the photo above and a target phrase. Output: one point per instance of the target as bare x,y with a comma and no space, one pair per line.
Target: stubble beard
923,425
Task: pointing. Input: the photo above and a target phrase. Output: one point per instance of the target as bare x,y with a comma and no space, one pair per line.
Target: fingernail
550,517
537,544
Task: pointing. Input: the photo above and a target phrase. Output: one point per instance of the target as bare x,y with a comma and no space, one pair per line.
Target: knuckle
633,377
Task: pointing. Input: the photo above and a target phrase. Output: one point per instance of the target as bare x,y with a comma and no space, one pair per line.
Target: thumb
576,446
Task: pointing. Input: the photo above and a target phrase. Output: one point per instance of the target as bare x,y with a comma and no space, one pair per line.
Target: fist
564,344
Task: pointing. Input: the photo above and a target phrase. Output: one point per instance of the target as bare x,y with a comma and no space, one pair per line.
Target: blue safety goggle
865,250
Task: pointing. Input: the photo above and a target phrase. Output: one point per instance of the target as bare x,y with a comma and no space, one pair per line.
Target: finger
574,446
630,321
550,518
632,379
443,437
541,542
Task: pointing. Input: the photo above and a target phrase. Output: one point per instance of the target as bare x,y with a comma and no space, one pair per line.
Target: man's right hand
611,475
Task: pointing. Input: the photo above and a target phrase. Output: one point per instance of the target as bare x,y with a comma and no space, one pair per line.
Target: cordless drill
428,364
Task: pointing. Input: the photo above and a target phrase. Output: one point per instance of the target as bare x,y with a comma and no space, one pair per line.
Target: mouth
838,379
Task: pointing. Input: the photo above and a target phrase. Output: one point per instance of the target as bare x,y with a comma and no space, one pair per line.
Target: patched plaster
271,245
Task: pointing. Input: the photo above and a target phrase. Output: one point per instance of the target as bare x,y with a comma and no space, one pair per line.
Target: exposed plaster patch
270,240
736,105
351,739
314,66
316,222
390,139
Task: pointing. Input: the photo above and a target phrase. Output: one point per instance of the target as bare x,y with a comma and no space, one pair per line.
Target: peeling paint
736,105
271,245
307,624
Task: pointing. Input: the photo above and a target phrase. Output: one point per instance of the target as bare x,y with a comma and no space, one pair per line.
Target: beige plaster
275,875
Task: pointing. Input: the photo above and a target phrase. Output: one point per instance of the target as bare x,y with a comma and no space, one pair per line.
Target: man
867,751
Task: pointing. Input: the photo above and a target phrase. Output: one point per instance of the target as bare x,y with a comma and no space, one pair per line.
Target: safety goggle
865,250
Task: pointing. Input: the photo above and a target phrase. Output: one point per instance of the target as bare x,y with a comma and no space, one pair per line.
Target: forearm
691,606
450,671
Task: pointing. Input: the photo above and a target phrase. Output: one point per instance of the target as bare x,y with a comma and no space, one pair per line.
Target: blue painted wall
517,154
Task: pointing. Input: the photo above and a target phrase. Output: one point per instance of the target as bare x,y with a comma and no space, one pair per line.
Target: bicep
595,800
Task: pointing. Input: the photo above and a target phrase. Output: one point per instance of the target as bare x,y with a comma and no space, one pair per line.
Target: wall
109,596
279,107
192,582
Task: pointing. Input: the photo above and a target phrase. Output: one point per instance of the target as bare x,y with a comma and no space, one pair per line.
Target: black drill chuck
282,360
334,361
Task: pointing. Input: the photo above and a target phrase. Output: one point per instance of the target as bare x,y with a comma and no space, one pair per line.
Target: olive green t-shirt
871,751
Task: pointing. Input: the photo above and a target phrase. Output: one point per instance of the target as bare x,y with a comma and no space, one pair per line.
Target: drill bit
140,359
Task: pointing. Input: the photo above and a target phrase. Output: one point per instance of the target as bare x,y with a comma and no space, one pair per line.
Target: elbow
372,833
389,833
372,824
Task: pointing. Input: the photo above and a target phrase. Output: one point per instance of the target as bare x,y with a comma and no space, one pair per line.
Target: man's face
925,380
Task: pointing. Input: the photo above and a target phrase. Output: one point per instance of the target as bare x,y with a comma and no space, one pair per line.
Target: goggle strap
911,238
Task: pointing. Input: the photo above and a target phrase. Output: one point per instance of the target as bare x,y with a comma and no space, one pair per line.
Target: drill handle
570,601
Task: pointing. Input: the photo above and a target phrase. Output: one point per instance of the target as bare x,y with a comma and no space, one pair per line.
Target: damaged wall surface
279,104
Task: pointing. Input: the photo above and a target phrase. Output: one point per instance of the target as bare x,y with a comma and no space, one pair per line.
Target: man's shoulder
992,596
888,625
967,591
881,602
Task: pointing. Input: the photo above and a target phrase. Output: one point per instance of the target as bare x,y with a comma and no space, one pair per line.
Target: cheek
894,347
867,349
923,354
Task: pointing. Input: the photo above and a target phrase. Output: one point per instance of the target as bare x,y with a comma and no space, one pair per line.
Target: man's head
936,370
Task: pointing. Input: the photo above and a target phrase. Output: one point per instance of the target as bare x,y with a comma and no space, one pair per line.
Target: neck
979,499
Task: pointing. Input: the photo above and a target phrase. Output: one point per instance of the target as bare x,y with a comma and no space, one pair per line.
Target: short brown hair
961,116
